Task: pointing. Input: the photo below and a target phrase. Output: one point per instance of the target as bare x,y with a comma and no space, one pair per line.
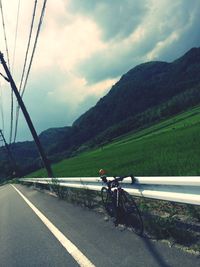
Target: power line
28,45
27,117
13,61
11,117
31,58
1,108
8,58
24,66
16,33
15,170
35,44
4,30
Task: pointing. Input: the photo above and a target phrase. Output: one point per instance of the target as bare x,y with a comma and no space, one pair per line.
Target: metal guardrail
183,189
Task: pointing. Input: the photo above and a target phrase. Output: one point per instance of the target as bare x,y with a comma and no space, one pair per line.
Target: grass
169,148
163,220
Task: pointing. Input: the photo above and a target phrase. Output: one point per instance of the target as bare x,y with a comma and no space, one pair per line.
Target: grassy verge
169,148
163,220
179,224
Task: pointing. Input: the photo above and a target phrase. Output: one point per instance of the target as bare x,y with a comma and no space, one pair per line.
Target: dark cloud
104,65
46,108
180,19
45,111
114,62
86,104
117,19
190,36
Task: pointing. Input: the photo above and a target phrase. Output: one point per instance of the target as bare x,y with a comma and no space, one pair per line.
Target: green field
171,147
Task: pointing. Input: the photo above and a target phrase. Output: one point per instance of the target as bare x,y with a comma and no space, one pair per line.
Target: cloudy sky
83,49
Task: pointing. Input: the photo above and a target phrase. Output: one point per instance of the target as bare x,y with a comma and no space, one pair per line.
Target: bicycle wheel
132,215
108,202
104,195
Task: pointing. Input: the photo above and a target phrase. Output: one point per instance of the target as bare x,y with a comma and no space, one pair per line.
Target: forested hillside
145,95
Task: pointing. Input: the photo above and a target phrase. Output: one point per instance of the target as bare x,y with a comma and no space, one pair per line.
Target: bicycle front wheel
108,202
132,215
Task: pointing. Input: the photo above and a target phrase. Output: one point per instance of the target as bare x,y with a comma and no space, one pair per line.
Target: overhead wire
8,58
11,117
4,31
24,67
28,45
34,47
33,51
1,109
16,33
13,60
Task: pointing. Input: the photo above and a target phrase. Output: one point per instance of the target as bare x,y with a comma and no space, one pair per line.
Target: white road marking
80,258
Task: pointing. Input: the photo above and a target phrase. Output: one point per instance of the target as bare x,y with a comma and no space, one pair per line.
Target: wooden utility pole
27,117
15,170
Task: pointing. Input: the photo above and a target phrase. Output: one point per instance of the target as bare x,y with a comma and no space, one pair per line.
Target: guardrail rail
183,189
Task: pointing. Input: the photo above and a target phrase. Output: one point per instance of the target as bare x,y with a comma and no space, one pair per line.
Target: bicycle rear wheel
108,202
104,195
132,215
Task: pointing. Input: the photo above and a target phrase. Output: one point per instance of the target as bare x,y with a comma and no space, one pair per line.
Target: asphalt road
26,241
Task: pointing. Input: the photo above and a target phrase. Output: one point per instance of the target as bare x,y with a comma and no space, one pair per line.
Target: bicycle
119,204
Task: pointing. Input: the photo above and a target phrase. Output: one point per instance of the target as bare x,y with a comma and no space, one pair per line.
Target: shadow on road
155,254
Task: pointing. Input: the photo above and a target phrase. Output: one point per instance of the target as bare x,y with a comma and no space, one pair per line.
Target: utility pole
12,160
27,117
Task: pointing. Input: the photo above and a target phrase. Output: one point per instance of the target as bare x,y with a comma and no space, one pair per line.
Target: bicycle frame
114,186
118,204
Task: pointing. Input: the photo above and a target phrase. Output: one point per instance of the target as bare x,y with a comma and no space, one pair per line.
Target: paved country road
61,234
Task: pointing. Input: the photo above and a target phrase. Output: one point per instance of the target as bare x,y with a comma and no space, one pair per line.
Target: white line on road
80,258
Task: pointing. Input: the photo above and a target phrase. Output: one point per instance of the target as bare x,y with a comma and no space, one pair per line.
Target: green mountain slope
170,147
147,94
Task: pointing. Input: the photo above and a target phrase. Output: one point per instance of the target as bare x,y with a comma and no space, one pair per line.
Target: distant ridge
145,86
146,94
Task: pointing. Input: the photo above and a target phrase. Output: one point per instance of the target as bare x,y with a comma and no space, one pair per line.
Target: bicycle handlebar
116,180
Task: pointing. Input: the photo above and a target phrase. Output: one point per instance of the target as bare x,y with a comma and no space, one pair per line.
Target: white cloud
116,19
85,46
74,90
164,26
65,46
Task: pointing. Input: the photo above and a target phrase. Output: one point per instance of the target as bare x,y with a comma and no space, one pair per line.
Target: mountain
52,137
143,87
147,93
144,95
